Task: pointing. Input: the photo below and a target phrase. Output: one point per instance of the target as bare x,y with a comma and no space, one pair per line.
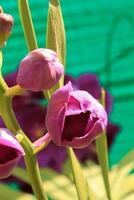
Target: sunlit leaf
56,39
127,187
6,193
21,174
83,190
127,160
59,186
55,30
120,173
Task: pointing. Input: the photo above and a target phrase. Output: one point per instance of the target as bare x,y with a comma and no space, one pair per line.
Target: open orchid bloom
31,116
10,153
74,118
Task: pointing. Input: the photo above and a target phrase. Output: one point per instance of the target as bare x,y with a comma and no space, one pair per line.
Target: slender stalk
34,176
27,24
102,153
3,85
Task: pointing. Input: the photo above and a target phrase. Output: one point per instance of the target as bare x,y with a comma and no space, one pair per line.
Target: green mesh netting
100,39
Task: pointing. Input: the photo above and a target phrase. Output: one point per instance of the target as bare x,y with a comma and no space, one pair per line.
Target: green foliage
27,24
60,187
83,190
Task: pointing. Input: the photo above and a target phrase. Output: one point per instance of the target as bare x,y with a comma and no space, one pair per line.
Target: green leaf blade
83,190
56,38
27,24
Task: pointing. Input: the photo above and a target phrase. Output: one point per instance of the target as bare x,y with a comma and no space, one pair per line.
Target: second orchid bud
40,70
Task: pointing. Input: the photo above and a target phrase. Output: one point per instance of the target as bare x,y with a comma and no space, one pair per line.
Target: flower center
7,154
75,126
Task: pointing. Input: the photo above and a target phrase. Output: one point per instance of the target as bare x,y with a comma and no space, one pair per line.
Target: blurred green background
100,39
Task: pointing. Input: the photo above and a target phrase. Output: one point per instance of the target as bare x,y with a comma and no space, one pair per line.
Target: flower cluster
31,114
74,117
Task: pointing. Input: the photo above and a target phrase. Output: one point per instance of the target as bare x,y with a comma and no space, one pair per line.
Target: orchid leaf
27,24
46,174
56,39
82,187
127,187
55,30
127,160
120,173
21,174
60,187
102,153
8,194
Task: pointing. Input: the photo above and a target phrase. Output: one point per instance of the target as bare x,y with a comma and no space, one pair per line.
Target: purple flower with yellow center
40,70
74,118
10,153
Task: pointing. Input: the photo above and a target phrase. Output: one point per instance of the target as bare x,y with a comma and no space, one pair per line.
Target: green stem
34,176
3,85
8,115
27,24
102,153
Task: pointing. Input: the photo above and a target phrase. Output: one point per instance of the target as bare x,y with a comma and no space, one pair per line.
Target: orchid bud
74,118
39,70
6,23
10,153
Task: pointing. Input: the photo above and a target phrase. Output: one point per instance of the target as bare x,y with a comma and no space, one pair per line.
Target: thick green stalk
27,24
102,153
34,176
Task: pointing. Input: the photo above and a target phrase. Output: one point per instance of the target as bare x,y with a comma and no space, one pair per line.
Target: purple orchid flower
74,118
25,107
